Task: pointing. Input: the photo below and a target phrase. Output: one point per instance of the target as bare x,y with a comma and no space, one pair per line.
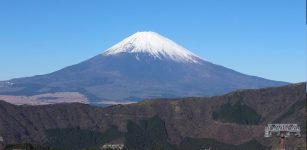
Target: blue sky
265,38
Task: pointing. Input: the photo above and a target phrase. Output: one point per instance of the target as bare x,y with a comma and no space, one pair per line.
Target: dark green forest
148,134
76,138
236,113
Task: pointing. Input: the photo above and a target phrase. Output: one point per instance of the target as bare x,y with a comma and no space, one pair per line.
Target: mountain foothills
233,121
144,65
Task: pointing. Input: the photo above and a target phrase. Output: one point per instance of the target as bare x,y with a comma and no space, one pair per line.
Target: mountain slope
144,65
186,117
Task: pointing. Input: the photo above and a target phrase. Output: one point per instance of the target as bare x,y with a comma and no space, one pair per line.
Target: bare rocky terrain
44,99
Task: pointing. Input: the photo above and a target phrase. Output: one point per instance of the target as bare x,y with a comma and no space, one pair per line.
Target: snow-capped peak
154,44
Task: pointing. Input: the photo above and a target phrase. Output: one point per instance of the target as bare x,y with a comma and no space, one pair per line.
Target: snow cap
154,44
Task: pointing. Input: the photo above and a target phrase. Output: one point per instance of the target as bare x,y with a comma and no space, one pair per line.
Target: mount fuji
144,65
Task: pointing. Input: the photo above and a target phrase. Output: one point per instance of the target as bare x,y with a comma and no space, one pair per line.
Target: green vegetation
147,134
236,113
29,147
96,148
75,138
187,144
196,144
192,143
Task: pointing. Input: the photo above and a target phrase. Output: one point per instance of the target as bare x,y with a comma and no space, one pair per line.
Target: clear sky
266,38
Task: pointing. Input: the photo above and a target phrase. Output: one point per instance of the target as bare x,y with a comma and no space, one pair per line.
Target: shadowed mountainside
215,118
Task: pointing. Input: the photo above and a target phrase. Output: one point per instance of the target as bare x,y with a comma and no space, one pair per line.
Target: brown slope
186,117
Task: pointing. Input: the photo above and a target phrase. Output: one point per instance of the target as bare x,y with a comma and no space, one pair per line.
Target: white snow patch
154,44
137,57
115,102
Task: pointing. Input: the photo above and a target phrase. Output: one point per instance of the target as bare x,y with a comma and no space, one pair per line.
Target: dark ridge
76,138
28,146
179,118
294,108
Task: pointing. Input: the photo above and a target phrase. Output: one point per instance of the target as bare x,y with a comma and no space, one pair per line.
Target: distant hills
144,65
231,121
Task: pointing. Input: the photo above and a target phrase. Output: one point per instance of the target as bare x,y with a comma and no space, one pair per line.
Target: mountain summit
144,65
155,45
